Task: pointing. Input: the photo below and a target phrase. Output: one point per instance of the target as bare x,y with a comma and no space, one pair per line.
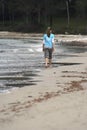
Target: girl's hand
52,49
43,49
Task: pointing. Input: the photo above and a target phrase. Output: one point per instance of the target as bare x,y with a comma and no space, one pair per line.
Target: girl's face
50,31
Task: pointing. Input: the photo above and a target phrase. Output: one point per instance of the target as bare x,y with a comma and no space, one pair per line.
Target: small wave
7,91
4,91
30,50
39,50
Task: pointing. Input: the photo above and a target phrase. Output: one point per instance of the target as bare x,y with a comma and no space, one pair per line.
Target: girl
48,46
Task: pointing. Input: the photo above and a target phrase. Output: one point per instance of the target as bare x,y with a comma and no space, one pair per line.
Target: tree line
40,13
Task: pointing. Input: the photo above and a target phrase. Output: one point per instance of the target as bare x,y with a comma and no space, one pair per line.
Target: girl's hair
48,31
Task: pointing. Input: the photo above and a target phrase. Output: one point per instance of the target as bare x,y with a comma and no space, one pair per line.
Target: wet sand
57,102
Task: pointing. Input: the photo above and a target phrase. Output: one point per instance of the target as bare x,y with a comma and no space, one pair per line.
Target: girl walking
48,46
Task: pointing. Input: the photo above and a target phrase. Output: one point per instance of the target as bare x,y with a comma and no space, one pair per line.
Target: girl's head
49,31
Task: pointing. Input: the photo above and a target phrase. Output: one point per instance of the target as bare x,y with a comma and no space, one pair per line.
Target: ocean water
22,59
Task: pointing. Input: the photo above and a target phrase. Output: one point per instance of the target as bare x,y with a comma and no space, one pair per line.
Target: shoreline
68,39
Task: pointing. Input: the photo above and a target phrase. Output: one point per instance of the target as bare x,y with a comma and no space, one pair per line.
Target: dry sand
57,102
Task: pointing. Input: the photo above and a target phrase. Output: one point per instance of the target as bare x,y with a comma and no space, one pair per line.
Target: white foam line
15,50
30,50
4,91
39,50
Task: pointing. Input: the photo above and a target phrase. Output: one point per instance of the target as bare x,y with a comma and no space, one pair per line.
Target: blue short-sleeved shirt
48,41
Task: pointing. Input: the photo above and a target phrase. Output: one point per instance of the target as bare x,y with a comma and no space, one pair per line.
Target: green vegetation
77,26
65,16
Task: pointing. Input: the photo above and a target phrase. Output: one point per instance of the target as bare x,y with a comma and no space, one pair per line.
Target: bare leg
46,62
50,62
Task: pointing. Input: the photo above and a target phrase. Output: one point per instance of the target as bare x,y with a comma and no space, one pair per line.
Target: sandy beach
57,102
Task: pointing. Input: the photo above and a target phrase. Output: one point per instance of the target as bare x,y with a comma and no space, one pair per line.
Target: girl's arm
43,45
53,44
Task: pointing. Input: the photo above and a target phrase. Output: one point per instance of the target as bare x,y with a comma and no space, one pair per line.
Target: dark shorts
48,53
